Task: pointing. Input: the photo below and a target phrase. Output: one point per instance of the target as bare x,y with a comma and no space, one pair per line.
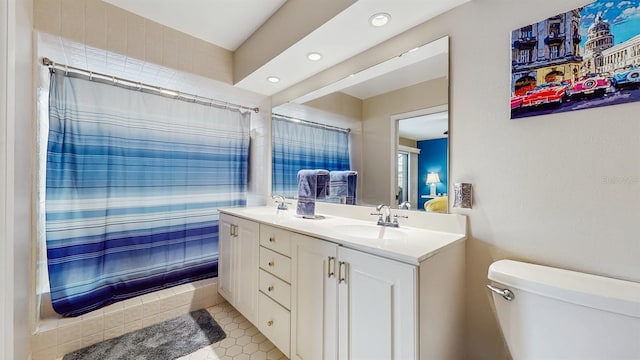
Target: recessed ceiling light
314,56
379,19
273,79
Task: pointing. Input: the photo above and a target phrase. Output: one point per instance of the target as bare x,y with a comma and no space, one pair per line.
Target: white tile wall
102,25
72,53
57,336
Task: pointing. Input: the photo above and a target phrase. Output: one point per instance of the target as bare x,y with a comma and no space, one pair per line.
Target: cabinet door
225,284
377,307
245,269
314,299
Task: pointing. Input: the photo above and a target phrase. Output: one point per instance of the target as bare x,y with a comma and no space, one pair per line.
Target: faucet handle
379,215
395,219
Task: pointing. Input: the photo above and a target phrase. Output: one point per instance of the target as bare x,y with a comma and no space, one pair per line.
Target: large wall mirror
395,117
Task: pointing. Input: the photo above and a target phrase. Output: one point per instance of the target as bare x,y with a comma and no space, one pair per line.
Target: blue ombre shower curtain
298,145
133,184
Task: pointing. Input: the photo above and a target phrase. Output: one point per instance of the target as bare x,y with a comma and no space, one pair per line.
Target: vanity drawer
275,239
276,264
275,288
274,322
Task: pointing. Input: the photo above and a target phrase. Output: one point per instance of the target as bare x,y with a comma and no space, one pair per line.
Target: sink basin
371,232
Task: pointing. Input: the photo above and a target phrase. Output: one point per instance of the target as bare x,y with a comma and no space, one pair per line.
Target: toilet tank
559,314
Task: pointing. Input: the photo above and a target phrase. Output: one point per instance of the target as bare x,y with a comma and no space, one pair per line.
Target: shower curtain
304,146
133,183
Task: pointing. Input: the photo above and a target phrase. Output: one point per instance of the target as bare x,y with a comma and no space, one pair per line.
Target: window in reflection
403,177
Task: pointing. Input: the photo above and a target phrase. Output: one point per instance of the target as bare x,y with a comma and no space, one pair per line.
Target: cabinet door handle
272,263
272,239
329,261
270,288
270,323
342,278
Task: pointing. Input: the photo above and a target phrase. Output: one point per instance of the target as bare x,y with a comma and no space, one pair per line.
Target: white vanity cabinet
350,305
318,295
238,275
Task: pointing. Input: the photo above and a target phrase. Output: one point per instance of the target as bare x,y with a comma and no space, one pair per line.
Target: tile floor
243,341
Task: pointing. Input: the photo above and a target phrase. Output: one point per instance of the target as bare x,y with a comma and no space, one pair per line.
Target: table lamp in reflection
433,178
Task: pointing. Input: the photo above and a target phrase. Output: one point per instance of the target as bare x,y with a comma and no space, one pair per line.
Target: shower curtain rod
175,94
291,118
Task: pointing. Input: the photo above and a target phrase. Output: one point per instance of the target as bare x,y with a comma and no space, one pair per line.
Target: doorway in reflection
422,158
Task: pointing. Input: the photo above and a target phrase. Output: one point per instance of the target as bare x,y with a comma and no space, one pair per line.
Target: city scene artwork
583,58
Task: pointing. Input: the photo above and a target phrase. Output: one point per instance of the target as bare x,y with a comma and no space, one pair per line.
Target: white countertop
411,245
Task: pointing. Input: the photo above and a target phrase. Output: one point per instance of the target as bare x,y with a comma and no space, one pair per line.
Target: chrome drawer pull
329,261
505,293
341,278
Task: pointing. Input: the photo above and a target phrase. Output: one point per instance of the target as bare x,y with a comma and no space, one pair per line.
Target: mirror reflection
422,159
392,119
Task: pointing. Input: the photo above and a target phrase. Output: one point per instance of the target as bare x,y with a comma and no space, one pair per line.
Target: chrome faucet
387,214
282,204
384,217
405,205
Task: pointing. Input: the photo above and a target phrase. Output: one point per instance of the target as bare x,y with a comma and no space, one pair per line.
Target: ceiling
427,62
425,127
228,23
225,23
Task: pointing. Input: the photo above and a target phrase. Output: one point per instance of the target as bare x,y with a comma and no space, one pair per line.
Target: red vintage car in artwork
516,101
552,93
591,85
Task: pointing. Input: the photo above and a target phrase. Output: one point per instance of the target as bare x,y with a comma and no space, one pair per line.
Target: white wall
539,187
6,189
16,138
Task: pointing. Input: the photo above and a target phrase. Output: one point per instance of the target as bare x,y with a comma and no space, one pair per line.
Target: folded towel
343,184
312,185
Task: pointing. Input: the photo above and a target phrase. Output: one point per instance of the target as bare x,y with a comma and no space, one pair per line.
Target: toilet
547,313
